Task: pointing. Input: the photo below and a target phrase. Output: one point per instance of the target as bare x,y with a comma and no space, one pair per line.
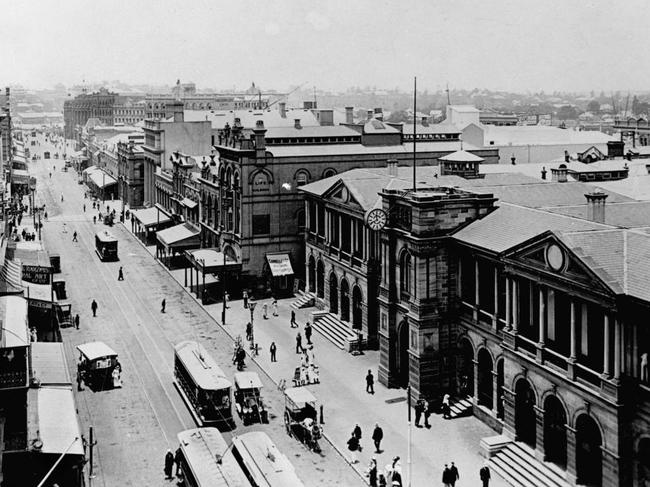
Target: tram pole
91,445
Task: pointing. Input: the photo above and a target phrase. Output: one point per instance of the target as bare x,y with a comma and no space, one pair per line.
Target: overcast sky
515,45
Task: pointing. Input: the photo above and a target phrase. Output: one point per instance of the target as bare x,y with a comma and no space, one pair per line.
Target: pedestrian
249,331
33,334
264,311
484,474
446,476
298,343
169,464
273,350
94,205
120,274
93,307
65,227
426,410
370,383
418,413
45,215
377,436
178,458
76,321
308,330
353,446
61,196
371,473
275,307
454,475
84,207
293,319
79,379
381,480
245,296
357,433
446,406
226,298
162,306
94,220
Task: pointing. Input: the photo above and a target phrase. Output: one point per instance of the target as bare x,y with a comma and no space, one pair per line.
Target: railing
556,359
587,375
526,345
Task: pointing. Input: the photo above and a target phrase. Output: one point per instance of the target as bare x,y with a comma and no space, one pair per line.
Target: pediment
548,254
341,194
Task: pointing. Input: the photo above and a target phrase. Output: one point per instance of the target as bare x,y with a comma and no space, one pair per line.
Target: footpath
342,392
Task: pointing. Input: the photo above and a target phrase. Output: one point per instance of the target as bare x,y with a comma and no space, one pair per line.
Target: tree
593,106
398,116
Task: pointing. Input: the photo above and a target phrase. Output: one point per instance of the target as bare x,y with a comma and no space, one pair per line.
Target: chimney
370,114
296,124
177,108
615,148
379,113
425,121
260,142
283,109
559,175
596,206
391,164
567,157
349,115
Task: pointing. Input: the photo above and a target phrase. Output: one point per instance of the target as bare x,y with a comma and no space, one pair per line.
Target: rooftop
540,135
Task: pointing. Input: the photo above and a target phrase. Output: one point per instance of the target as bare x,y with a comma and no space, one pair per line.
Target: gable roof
511,225
630,214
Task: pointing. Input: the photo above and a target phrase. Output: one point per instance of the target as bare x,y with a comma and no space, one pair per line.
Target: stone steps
336,331
517,464
306,300
462,407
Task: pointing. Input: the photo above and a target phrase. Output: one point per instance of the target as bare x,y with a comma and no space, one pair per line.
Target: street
135,425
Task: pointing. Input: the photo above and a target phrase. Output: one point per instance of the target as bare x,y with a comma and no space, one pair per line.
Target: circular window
555,257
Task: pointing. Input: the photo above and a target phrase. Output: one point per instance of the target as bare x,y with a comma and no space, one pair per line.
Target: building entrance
554,432
589,460
403,353
525,421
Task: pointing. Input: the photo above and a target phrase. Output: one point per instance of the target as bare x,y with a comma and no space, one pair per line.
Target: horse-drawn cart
301,417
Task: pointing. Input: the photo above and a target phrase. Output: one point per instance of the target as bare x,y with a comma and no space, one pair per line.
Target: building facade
78,110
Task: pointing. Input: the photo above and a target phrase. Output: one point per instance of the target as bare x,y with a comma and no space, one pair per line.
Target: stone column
611,467
459,282
542,328
570,455
515,306
339,244
509,413
573,337
508,305
606,346
476,291
475,398
495,316
617,349
539,433
495,387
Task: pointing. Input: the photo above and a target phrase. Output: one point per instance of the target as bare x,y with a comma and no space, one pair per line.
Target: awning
49,366
211,260
189,203
101,179
95,350
11,276
38,292
13,322
300,396
149,217
183,235
280,264
248,380
90,169
52,422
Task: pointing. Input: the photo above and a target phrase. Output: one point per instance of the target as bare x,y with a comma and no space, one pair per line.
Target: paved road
136,424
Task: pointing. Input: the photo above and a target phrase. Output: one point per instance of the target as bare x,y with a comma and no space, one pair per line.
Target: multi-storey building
130,173
534,314
78,110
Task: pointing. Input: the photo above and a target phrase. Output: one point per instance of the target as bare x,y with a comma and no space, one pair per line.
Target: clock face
376,219
555,257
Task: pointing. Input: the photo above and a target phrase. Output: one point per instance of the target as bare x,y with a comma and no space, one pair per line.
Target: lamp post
223,288
251,307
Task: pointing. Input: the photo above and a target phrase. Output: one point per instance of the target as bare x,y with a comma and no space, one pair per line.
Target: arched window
405,272
329,172
302,178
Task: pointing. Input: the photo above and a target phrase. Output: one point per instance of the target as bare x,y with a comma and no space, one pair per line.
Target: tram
202,385
204,462
261,461
106,246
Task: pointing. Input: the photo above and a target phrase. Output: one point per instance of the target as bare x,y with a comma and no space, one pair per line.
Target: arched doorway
320,279
402,354
500,388
312,274
345,300
485,378
357,308
554,432
465,368
334,294
525,421
589,457
643,462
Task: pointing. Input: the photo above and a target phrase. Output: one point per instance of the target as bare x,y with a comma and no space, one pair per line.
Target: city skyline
511,46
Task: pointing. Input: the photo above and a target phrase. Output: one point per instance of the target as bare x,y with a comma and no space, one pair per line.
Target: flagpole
415,125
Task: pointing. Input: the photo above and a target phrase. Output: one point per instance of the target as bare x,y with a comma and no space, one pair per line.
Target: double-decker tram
106,245
202,385
205,461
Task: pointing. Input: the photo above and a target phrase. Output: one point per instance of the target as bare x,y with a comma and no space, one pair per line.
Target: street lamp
251,306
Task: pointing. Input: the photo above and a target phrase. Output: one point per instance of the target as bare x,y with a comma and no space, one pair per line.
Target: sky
513,45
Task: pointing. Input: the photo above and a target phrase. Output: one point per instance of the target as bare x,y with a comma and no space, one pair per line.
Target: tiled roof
548,194
511,225
621,258
627,215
